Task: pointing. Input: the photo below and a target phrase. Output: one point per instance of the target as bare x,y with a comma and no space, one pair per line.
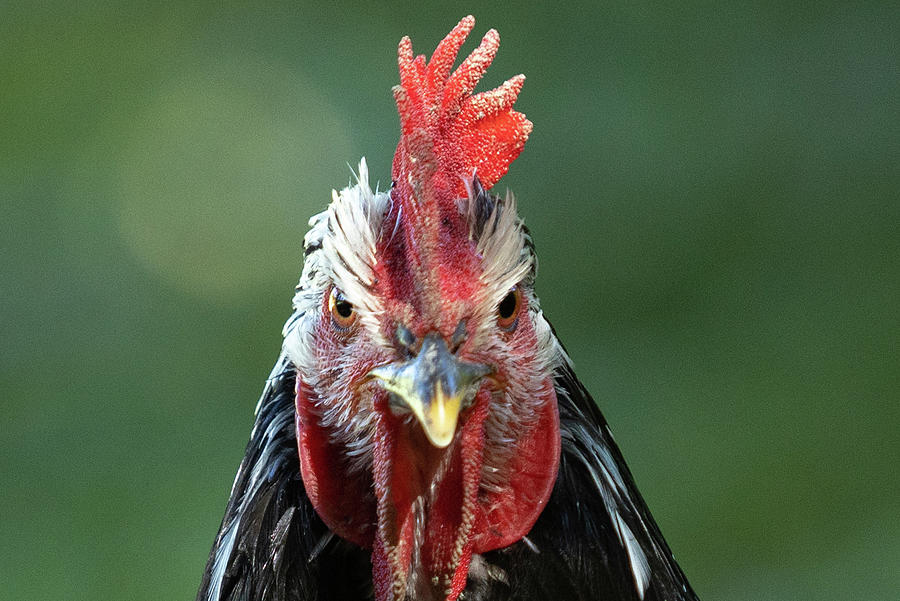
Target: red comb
447,133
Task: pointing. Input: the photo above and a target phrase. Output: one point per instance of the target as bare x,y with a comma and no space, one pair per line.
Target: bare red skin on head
430,285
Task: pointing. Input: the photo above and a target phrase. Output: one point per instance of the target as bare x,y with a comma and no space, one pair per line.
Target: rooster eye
508,310
343,314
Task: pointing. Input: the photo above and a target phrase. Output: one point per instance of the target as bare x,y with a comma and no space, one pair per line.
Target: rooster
423,435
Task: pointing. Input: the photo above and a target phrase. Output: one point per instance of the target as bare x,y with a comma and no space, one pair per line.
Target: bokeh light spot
223,169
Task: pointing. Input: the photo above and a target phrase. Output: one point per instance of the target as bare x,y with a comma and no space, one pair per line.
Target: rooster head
426,414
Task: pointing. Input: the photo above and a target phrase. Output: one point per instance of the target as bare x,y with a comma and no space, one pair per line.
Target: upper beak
433,384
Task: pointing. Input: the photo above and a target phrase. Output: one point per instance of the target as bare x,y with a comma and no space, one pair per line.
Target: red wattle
509,515
407,468
448,541
393,545
345,504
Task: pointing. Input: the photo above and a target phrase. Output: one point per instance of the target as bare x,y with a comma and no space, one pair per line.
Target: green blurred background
714,193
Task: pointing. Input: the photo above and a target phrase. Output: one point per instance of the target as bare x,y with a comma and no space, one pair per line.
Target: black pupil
343,308
507,305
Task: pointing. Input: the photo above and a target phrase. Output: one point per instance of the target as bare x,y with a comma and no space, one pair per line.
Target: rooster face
426,416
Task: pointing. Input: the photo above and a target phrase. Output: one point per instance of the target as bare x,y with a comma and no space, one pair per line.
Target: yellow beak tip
440,439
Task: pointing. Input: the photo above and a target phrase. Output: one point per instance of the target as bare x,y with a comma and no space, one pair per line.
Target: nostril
406,340
458,337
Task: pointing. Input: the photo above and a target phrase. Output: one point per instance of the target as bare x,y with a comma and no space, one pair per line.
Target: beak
433,384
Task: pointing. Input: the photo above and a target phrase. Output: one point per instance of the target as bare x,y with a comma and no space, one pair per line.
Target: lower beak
434,385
